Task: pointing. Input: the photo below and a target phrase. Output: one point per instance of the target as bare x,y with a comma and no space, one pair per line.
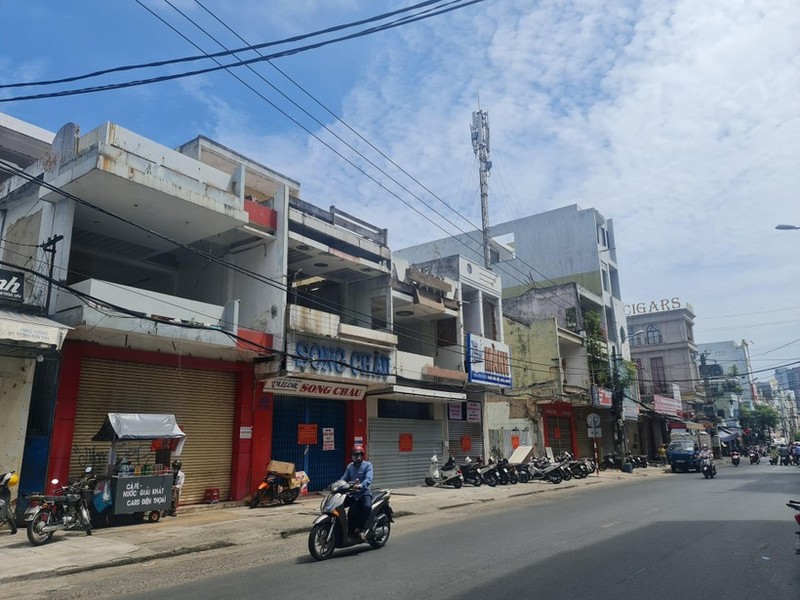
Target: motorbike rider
359,472
705,452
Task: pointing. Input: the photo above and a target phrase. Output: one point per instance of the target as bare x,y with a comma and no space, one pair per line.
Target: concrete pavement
204,528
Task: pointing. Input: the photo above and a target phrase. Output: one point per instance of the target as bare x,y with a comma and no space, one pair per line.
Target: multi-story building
661,335
733,359
789,379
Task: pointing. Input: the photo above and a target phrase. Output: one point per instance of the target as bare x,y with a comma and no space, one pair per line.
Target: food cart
144,488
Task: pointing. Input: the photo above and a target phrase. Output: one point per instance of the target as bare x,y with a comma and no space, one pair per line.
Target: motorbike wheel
429,481
477,480
12,525
643,464
383,527
456,482
566,475
524,477
603,466
513,479
554,477
256,498
35,534
319,546
292,496
490,480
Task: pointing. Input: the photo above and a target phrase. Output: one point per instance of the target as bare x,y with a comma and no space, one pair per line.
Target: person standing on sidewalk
178,478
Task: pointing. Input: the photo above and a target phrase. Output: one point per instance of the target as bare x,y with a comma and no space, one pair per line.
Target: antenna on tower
480,145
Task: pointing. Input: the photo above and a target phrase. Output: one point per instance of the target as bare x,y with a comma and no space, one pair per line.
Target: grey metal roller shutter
202,402
456,429
582,430
395,468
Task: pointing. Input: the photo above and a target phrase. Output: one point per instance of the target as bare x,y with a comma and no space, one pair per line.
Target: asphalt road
674,537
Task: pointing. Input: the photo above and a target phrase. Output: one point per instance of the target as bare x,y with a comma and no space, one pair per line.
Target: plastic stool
211,496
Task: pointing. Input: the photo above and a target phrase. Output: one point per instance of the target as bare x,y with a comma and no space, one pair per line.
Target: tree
759,421
596,349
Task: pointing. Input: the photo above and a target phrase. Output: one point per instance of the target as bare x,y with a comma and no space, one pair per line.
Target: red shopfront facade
558,420
213,400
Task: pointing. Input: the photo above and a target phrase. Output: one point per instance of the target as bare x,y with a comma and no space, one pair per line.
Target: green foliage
759,421
595,348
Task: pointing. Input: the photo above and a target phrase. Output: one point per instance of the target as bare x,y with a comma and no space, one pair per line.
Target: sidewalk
202,528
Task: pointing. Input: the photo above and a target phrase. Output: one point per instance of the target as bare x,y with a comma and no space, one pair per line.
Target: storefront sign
291,386
602,397
141,494
557,409
473,412
666,406
630,410
641,308
306,434
12,285
406,442
488,361
334,358
466,443
246,432
327,439
454,411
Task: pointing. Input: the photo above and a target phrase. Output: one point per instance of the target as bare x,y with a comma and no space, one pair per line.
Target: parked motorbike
638,460
707,466
736,458
795,504
449,474
488,472
471,471
543,470
7,481
276,488
611,461
506,473
331,529
67,509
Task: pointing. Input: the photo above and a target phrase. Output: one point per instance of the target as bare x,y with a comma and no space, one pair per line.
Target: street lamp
784,227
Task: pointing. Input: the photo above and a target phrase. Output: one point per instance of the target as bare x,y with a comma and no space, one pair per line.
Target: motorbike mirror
87,470
54,481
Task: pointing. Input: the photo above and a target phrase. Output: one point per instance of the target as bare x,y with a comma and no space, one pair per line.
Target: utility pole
50,247
480,145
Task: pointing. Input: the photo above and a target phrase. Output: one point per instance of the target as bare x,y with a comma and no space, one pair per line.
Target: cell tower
480,145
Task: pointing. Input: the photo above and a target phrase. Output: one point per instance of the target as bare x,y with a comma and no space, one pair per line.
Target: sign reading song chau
334,358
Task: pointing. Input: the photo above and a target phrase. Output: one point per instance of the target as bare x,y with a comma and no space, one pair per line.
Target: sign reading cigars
315,389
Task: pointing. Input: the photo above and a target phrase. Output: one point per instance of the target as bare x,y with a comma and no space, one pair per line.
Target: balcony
418,367
310,321
150,320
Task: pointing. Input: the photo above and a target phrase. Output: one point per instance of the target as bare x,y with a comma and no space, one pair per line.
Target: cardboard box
281,468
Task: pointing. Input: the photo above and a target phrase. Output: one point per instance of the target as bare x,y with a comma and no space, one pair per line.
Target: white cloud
677,119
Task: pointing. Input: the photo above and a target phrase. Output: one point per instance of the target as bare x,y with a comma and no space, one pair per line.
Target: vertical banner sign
406,442
306,434
474,412
327,438
455,411
466,443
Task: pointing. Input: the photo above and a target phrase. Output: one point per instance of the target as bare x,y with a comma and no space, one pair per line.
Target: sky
680,120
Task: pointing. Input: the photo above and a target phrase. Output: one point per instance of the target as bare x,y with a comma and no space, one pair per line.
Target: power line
239,63
174,61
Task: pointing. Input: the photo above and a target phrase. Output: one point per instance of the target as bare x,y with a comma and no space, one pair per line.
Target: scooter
449,474
7,480
754,457
795,504
67,509
707,466
331,529
736,458
471,473
488,473
542,470
276,488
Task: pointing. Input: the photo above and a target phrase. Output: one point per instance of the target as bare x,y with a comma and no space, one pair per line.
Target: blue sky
680,120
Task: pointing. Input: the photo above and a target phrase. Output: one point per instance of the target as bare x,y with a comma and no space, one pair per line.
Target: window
654,335
640,376
606,281
658,375
634,336
401,409
571,317
689,332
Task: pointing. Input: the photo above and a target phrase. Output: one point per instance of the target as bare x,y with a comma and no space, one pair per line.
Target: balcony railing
340,218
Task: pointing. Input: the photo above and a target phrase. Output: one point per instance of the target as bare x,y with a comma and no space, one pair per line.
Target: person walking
178,479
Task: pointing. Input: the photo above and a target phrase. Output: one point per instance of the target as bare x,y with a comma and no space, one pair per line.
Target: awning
415,394
137,426
726,435
31,329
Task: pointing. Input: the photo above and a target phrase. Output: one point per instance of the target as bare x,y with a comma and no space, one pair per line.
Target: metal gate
395,468
582,431
322,466
559,434
460,429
